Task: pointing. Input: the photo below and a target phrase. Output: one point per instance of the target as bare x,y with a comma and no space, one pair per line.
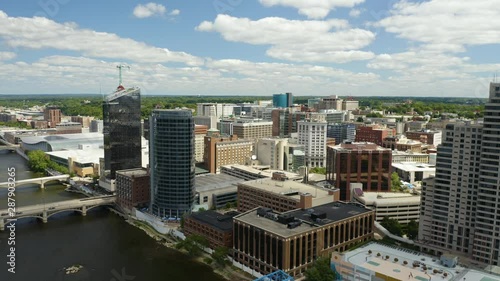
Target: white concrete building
271,151
402,207
413,172
312,135
209,121
199,147
369,262
404,156
218,110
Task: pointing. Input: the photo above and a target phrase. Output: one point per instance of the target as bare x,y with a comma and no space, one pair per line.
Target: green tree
360,119
38,161
375,114
318,170
219,255
320,271
193,244
412,229
396,182
392,225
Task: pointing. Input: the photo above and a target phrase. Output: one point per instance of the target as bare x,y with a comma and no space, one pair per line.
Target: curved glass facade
122,131
172,162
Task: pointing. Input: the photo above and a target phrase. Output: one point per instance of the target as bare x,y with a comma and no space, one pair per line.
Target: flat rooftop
289,188
223,222
388,198
86,156
207,182
414,167
261,170
333,212
361,258
359,146
133,172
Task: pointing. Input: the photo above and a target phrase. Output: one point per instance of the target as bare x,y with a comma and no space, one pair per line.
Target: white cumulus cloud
354,13
313,9
7,55
43,33
447,26
149,10
175,12
294,40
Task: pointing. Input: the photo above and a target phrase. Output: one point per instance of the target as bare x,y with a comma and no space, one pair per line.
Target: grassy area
228,272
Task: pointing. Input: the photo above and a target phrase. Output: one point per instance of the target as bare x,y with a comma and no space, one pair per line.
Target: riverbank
229,272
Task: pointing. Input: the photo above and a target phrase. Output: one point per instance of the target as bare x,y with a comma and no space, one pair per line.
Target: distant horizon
36,96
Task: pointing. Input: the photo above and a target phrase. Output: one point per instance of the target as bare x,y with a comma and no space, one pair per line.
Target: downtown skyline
260,47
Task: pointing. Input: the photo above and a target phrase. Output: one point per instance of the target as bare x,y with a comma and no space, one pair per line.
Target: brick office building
216,227
133,188
281,195
374,134
220,151
267,241
365,163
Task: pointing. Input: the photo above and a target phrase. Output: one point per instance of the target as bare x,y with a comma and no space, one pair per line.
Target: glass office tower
122,131
171,152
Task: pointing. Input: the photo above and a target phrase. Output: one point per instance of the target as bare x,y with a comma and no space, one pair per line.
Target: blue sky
251,47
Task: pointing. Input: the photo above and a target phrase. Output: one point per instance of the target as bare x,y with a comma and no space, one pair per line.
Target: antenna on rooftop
120,72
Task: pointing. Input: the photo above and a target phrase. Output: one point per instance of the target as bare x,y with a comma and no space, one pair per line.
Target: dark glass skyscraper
122,132
171,152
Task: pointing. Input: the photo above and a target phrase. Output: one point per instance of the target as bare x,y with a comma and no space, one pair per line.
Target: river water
108,248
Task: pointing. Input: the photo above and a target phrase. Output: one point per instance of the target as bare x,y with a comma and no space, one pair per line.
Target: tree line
91,105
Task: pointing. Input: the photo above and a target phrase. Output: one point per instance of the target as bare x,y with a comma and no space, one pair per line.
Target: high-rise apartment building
447,221
487,236
312,135
460,204
122,133
365,163
172,159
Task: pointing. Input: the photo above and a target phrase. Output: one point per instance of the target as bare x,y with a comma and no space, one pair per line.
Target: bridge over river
45,211
40,181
